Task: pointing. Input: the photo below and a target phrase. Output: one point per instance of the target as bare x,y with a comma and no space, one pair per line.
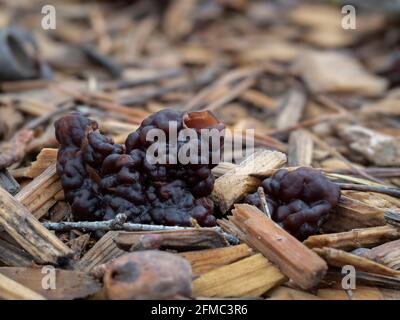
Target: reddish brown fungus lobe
299,201
101,179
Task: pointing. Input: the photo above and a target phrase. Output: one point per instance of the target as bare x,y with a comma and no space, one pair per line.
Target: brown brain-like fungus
298,200
101,179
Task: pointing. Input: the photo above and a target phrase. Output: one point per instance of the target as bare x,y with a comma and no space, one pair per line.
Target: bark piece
236,183
11,290
387,254
180,240
301,148
79,244
379,148
68,284
8,182
333,72
292,257
14,150
340,258
13,256
353,214
249,277
357,238
24,228
203,261
147,275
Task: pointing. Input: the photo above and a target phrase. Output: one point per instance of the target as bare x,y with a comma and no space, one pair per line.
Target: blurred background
275,66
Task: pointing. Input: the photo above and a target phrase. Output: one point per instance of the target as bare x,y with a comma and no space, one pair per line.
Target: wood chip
333,72
340,258
236,183
13,256
11,290
357,238
206,260
68,284
15,150
40,194
380,149
301,148
249,277
387,254
24,228
292,257
103,251
45,159
292,109
285,293
352,214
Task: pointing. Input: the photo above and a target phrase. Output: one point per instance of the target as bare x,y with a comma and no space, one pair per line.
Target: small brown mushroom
201,120
148,275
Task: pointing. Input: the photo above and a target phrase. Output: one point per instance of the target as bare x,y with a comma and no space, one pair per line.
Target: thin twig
263,200
119,224
394,192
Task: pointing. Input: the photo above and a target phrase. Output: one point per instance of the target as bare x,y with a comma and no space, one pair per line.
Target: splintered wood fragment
39,195
300,149
249,277
340,258
29,233
13,256
7,182
103,251
360,293
293,258
12,290
68,284
46,158
203,261
292,109
352,214
387,254
236,183
357,238
285,293
180,240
